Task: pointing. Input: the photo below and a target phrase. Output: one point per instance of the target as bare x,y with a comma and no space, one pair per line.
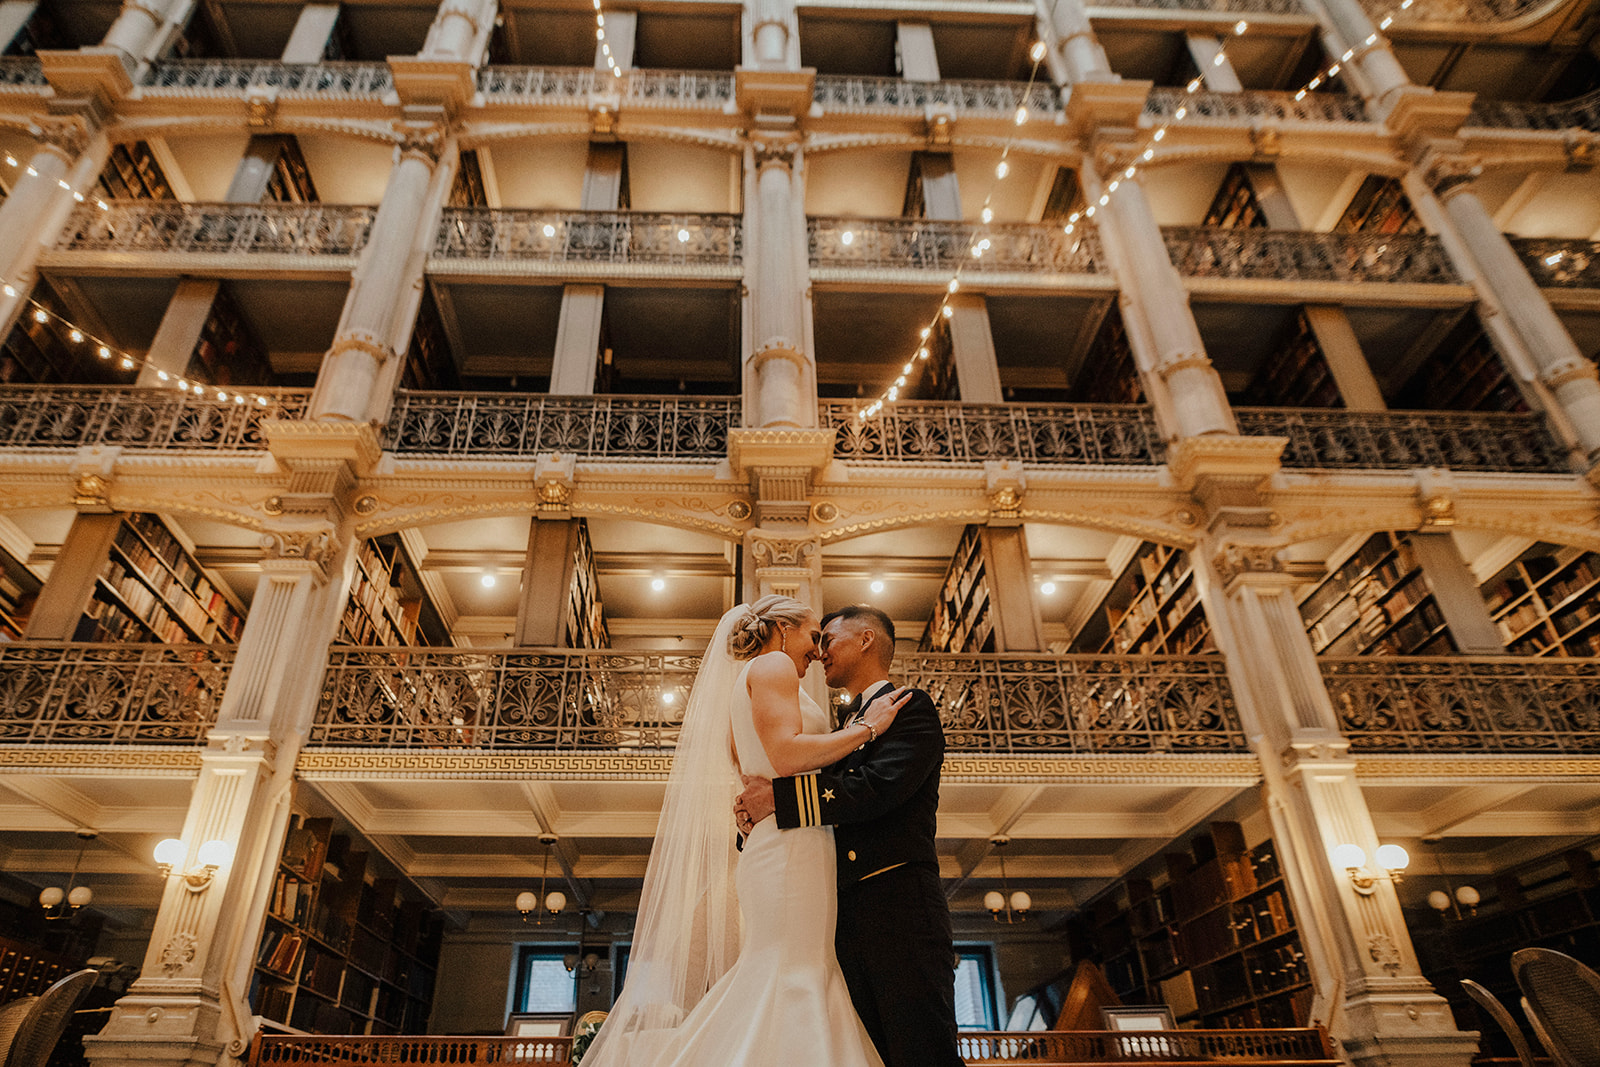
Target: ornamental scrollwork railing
218,229
1458,11
522,424
851,93
596,699
184,77
1247,107
1298,255
929,245
22,70
616,238
1279,1048
923,431
1582,113
70,416
642,88
317,1050
1560,264
1458,704
1400,440
132,694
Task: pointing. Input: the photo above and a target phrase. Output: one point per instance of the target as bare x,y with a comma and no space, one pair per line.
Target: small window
543,983
975,999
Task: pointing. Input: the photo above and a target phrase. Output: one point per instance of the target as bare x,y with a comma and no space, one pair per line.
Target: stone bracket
555,475
781,465
774,92
433,83
1228,475
324,460
1415,113
1095,105
96,76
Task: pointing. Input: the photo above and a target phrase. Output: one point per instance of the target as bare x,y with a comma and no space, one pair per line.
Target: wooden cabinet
1378,602
342,951
1547,602
962,619
1216,941
150,588
1153,608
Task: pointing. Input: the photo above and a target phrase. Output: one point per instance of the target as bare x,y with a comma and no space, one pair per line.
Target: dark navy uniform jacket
881,799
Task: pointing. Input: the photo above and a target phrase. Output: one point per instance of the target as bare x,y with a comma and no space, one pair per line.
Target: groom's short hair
874,618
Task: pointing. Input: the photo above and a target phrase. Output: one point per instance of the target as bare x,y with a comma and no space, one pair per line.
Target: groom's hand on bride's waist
754,804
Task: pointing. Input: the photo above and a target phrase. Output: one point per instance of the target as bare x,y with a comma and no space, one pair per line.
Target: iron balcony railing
132,694
1284,1047
606,238
639,88
1581,113
1221,7
1560,264
218,229
1459,704
934,246
917,431
305,1050
1250,106
853,94
1447,11
596,699
69,416
199,77
1401,440
520,424
1298,255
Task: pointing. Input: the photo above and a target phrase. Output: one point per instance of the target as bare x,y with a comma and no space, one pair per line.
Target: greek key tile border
1377,769
101,761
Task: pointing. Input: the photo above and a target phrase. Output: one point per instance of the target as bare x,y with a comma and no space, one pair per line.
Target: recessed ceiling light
488,579
658,584
1047,588
877,585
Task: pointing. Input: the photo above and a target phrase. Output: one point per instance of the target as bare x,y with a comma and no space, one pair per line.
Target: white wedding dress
784,1002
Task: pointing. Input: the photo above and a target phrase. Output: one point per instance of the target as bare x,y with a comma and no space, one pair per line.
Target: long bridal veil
687,933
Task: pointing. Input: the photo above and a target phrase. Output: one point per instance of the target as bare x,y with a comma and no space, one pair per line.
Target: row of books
291,898
105,620
143,602
280,951
156,537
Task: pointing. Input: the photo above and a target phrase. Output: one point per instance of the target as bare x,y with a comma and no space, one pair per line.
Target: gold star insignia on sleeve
827,794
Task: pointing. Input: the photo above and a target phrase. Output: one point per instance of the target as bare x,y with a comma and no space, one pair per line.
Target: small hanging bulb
1021,116
127,364
1181,112
1067,228
1333,70
925,332
1089,212
1388,20
616,72
906,369
1162,132
549,230
237,399
1149,154
102,205
1129,172
11,160
1105,199
955,285
32,173
977,251
900,382
77,196
63,183
105,353
1216,60
599,20
41,316
1372,38
9,290
183,385
1313,83
987,215
894,393
1239,28
76,336
1036,53
948,312
1194,86
163,375
261,400
1002,169
1301,95
922,353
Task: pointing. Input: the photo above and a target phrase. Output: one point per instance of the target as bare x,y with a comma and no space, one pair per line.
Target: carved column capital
1567,371
423,142
1236,559
789,566
67,137
1449,173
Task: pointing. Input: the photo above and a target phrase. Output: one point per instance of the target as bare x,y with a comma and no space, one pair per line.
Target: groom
893,935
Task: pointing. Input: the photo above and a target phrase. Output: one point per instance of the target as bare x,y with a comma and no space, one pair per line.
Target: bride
704,989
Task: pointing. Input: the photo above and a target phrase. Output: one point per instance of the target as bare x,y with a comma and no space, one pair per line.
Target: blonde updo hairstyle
760,621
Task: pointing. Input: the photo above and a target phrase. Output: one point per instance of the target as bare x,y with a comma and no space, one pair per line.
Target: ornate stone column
1556,367
770,43
359,370
189,1005
1076,55
780,378
138,24
1351,27
1370,991
460,30
33,215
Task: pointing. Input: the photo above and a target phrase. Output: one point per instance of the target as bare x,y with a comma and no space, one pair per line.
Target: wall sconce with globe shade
60,903
1015,905
213,856
554,901
1353,858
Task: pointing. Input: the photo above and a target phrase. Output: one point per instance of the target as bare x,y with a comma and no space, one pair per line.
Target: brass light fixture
554,901
1014,905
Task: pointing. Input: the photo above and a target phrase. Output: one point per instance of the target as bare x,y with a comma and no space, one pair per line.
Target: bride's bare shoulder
772,669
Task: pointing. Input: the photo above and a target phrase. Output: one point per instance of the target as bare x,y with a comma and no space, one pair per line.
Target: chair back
12,1012
47,1020
1497,1011
1562,998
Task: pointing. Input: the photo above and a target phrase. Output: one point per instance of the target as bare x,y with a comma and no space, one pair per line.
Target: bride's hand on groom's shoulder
882,711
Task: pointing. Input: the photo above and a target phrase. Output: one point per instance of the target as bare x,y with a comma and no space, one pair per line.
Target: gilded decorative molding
95,761
1127,770
1466,770
1236,560
1568,371
782,553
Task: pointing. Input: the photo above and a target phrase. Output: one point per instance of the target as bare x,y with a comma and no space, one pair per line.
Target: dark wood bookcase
387,605
1109,374
151,588
962,620
1236,205
343,951
1547,602
229,352
1378,602
1152,608
1379,206
1297,375
586,618
132,173
1464,373
1215,939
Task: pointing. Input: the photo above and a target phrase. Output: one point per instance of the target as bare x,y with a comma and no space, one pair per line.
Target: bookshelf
18,589
1297,375
291,178
468,190
1152,608
1379,206
586,620
1377,603
962,620
132,173
1215,940
343,951
429,362
1464,373
386,602
1236,205
1547,602
228,351
150,588
1109,374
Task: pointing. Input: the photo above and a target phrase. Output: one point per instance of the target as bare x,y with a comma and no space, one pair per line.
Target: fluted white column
348,384
1562,368
1075,46
778,368
189,1007
33,215
1350,24
460,30
1369,987
771,44
138,23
